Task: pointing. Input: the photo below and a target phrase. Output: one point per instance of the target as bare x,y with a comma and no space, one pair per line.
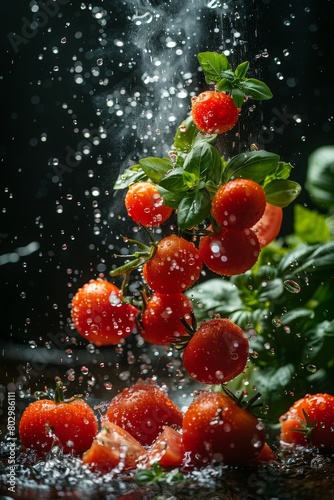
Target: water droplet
276,322
311,368
291,286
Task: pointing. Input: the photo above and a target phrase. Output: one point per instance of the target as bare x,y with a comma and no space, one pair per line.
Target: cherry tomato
214,112
145,206
269,226
175,266
46,423
238,204
309,421
216,429
144,410
217,352
160,323
113,447
167,449
229,251
100,315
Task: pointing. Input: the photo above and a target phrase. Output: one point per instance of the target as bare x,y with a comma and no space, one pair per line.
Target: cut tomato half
167,450
269,226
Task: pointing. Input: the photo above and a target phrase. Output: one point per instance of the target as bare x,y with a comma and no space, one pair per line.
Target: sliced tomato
167,449
269,226
113,447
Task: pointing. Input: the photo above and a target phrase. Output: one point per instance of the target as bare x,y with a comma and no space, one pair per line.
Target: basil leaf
130,176
241,70
173,180
188,136
172,199
310,226
204,162
225,85
255,165
282,192
313,259
320,344
238,97
155,168
255,89
320,177
213,64
193,208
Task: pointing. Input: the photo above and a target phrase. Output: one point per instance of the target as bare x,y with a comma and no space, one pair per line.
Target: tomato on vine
175,266
145,206
100,315
230,252
217,352
214,112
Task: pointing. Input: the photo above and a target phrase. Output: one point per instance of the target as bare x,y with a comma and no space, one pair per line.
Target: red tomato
113,447
229,252
266,455
175,266
100,315
238,204
167,449
144,410
309,421
160,322
145,206
217,352
214,112
269,226
216,429
46,423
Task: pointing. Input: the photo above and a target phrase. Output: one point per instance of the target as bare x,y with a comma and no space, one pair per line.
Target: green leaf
320,177
204,162
213,64
320,345
188,136
173,180
282,192
310,225
228,74
255,89
130,176
255,165
155,168
225,85
309,259
172,199
193,209
241,70
238,97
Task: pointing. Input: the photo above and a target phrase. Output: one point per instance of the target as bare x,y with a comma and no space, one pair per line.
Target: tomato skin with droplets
175,266
45,423
160,322
216,429
144,410
99,314
229,251
217,352
145,206
313,413
239,204
214,112
269,226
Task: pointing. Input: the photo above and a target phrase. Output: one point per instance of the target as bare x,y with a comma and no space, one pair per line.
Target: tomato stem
59,393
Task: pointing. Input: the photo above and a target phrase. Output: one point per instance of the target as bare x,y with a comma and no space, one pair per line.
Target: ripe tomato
46,423
145,206
175,266
269,226
230,251
217,352
313,417
239,203
214,112
143,410
216,429
100,315
160,323
113,447
167,449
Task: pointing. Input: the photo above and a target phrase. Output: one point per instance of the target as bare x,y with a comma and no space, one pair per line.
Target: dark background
65,206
